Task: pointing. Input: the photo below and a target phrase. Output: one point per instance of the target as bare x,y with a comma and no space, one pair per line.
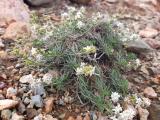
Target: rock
31,113
11,92
143,113
37,101
38,89
3,55
38,2
93,116
1,97
154,111
26,101
1,44
112,1
144,70
21,108
149,92
27,79
6,114
81,1
87,117
154,70
2,31
17,30
79,117
15,116
156,80
153,43
13,11
45,117
7,103
70,118
49,104
137,46
148,33
19,65
2,85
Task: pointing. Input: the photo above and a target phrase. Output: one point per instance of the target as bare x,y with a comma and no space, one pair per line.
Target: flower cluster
85,69
115,97
89,49
127,114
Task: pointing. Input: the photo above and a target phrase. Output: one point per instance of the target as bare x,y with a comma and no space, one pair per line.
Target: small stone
26,101
37,101
137,46
15,116
81,1
71,118
1,44
60,102
156,80
2,85
21,108
16,30
143,113
79,117
11,92
6,114
49,104
154,111
112,1
148,33
38,89
144,70
7,103
87,117
1,97
31,113
38,2
45,117
149,92
2,31
19,66
27,79
155,44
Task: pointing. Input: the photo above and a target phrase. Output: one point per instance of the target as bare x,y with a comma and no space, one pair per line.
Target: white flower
127,114
39,57
117,109
64,15
71,9
90,49
82,9
138,62
33,51
78,15
115,97
47,78
113,118
139,101
79,71
84,69
147,102
80,24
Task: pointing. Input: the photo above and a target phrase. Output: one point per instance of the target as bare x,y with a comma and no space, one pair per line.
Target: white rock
15,116
27,79
7,103
11,92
